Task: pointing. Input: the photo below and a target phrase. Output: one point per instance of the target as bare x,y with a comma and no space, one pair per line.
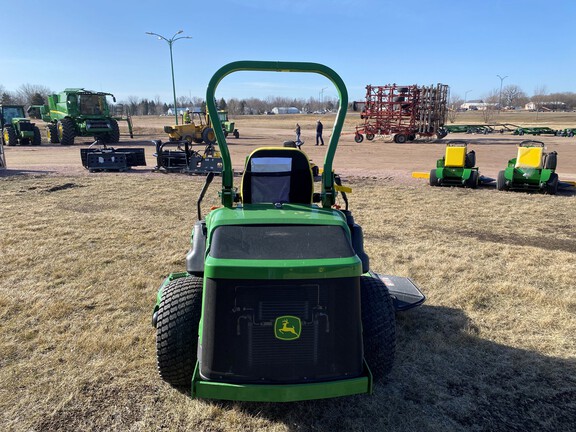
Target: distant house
545,106
285,110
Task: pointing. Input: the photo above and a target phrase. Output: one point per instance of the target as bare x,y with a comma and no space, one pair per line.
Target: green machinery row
531,169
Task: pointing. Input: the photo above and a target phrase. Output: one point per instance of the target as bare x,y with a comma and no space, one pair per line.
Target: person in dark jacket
319,128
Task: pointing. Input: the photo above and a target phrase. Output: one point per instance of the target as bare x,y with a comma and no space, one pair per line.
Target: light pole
170,42
322,97
500,96
466,96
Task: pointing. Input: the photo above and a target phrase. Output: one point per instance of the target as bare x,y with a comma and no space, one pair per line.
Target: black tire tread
379,326
177,330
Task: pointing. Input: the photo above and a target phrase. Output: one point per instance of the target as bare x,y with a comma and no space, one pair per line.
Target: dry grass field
82,255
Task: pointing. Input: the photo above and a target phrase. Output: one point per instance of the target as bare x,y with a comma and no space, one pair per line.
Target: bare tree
513,96
491,100
454,104
32,94
539,98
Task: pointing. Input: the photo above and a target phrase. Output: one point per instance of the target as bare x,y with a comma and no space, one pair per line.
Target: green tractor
278,302
457,167
532,169
228,126
79,112
16,128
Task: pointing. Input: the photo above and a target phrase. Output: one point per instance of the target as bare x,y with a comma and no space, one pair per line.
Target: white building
285,110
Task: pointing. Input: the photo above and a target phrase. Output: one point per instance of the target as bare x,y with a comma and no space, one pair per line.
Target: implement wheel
378,325
208,136
177,330
358,138
369,137
400,138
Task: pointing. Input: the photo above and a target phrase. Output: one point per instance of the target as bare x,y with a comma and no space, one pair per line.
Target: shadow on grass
12,172
446,377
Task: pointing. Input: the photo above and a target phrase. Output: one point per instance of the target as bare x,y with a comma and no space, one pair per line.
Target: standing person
186,117
297,132
319,128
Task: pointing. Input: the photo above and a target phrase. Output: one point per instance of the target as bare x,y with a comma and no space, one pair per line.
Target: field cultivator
406,112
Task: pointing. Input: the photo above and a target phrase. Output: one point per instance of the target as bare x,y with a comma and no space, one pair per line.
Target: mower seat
529,157
277,175
455,157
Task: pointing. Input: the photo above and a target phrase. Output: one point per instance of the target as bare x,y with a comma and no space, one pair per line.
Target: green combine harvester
79,112
16,128
278,302
456,168
531,169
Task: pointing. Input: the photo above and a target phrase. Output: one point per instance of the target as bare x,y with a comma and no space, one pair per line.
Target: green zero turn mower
531,169
457,167
278,302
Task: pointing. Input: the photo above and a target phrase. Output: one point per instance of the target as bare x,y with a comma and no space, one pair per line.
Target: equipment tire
472,181
9,136
433,178
501,181
378,326
551,161
52,133
236,134
208,136
470,160
37,140
66,131
358,138
400,138
177,330
114,135
411,137
369,137
552,184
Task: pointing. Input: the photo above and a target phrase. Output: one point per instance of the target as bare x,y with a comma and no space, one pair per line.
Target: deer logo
287,327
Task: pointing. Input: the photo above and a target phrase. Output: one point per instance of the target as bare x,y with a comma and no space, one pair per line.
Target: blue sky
465,44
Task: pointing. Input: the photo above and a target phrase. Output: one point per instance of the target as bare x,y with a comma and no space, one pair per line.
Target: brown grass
492,349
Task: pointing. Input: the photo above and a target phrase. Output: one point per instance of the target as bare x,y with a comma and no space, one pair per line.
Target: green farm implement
540,130
278,302
16,128
456,168
531,169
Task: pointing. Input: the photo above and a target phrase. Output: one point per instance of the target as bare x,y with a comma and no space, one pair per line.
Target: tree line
510,96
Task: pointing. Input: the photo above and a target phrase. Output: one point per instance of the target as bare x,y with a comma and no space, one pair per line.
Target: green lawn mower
531,169
278,302
456,168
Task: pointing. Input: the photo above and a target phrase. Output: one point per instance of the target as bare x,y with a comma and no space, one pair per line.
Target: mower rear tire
433,178
9,136
501,181
177,330
236,134
552,184
472,181
378,326
551,161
